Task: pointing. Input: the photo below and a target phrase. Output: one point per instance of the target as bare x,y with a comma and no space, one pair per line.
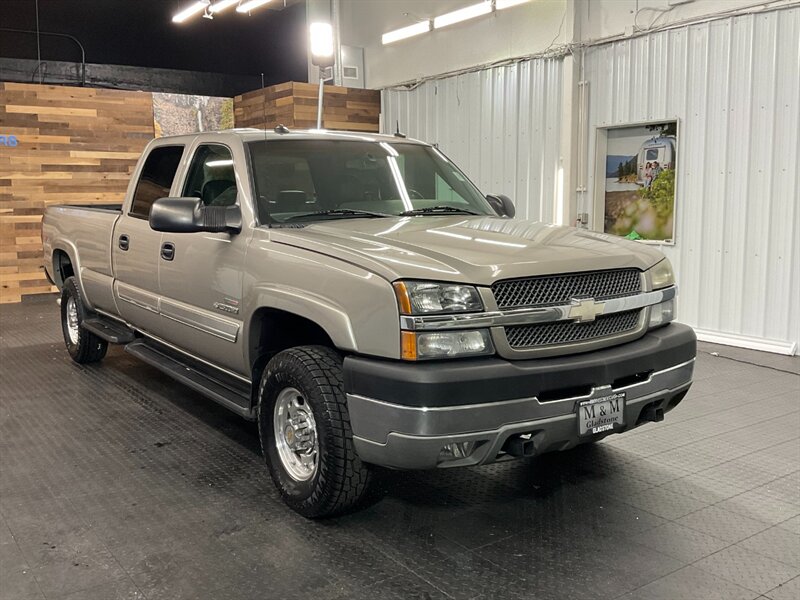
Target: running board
108,330
231,394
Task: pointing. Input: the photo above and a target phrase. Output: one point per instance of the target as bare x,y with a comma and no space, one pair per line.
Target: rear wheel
83,346
306,437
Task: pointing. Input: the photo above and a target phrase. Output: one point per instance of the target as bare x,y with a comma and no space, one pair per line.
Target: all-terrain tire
341,482
85,347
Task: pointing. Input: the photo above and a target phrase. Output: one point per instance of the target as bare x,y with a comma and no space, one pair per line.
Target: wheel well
62,267
273,330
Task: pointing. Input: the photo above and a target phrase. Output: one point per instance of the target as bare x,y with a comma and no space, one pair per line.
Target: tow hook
651,413
519,446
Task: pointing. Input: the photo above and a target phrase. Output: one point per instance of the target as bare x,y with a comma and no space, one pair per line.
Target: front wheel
82,345
305,433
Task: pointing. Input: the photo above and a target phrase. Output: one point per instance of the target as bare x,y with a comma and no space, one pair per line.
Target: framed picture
635,172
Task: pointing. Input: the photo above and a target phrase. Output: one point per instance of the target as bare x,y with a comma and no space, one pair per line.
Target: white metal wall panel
734,85
500,125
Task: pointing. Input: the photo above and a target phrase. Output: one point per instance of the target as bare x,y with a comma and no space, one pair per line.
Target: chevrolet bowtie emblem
585,310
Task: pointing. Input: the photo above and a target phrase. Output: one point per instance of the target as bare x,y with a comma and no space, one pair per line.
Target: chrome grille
553,290
570,332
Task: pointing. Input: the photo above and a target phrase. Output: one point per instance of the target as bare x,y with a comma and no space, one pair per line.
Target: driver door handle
167,250
124,242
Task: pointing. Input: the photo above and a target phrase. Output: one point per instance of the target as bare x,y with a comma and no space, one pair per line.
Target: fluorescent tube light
249,5
223,162
462,14
406,32
190,11
502,4
221,5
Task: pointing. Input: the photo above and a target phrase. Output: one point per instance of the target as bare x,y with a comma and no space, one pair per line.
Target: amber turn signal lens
401,291
408,343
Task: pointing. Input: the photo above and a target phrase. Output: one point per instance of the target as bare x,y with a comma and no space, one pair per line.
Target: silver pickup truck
359,298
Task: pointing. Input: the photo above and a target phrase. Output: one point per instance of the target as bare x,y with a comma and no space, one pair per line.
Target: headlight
662,313
446,344
426,297
661,275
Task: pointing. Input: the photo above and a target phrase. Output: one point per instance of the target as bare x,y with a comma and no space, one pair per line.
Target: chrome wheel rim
72,321
296,435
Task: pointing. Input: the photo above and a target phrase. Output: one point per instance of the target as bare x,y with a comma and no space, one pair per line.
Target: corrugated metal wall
734,85
500,125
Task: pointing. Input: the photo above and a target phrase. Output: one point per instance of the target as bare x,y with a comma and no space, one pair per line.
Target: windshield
307,180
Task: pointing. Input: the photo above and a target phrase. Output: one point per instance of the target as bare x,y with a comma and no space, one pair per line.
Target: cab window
211,177
156,179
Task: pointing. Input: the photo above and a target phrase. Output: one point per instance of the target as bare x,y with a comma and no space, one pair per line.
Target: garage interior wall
500,125
734,86
732,82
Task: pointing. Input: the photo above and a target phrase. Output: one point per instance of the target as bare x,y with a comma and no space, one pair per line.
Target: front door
201,273
135,246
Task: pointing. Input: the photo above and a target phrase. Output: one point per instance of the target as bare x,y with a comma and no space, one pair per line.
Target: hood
466,249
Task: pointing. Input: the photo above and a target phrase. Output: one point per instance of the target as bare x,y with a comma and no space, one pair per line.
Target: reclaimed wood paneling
75,146
295,105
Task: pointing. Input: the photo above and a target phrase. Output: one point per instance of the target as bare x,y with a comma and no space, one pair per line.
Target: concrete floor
116,482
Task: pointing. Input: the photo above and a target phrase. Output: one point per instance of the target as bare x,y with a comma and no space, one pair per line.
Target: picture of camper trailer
658,149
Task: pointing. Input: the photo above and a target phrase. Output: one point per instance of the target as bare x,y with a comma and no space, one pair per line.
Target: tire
308,380
83,346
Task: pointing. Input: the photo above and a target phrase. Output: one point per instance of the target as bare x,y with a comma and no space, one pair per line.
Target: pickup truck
367,306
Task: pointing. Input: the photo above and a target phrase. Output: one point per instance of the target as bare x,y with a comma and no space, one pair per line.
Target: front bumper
403,414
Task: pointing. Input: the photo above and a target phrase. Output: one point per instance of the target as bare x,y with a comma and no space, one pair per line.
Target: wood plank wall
295,105
80,145
75,146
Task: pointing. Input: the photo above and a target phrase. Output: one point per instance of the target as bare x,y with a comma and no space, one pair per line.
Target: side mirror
502,205
189,215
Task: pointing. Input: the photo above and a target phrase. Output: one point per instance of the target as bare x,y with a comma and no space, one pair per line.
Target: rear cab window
155,180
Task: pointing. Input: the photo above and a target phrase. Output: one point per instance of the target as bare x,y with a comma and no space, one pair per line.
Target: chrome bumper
408,437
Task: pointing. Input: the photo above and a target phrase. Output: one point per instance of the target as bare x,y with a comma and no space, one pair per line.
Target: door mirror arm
502,205
190,215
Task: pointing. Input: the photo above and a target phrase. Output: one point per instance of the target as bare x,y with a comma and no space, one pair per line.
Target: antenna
265,201
397,133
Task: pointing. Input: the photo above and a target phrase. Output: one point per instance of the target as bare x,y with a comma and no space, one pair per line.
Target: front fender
327,313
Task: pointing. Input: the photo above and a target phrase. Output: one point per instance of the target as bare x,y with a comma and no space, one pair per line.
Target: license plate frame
603,414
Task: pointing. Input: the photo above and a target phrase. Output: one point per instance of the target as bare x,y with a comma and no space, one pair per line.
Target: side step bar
109,330
234,396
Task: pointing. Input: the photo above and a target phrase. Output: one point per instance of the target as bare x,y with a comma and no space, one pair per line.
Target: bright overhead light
463,14
190,11
221,5
501,4
223,162
406,32
321,40
249,5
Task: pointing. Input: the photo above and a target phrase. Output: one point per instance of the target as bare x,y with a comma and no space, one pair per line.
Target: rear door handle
167,250
124,242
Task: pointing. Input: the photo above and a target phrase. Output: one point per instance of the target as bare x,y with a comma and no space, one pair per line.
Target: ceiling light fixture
406,32
190,11
221,5
250,5
463,14
503,4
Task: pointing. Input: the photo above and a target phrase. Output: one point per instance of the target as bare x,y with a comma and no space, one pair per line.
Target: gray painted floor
116,482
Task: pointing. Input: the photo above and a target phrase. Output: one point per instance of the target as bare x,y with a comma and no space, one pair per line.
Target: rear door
135,246
201,273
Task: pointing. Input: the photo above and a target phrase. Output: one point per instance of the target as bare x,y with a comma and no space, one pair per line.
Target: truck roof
254,135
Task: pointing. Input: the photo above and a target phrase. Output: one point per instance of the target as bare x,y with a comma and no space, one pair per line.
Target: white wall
734,86
517,31
500,125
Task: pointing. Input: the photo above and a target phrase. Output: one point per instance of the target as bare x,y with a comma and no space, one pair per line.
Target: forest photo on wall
640,181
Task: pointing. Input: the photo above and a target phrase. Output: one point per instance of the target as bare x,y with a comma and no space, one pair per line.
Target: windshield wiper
432,210
339,212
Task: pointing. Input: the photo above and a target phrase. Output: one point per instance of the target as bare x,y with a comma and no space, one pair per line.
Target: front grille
554,290
569,332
